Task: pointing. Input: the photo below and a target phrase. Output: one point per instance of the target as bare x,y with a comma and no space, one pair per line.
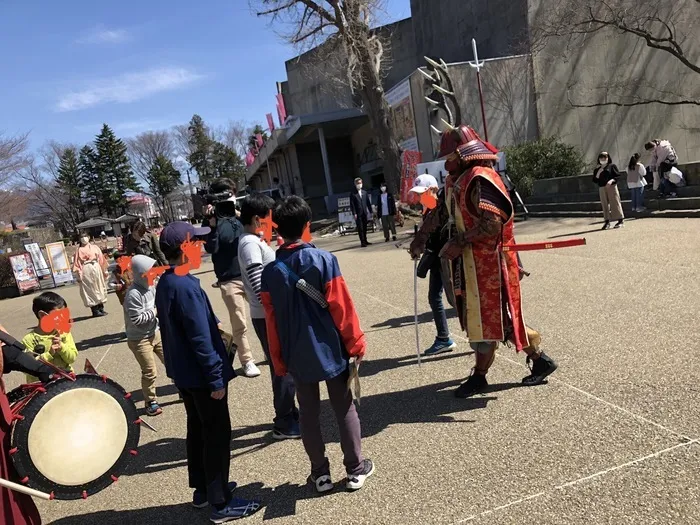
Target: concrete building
328,141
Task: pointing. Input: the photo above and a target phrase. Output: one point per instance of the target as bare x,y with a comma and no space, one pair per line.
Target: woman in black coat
605,175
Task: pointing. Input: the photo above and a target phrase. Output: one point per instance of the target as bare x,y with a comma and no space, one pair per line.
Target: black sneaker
357,481
474,385
620,224
606,225
540,369
393,238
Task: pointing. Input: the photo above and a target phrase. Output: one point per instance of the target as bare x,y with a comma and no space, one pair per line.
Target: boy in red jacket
313,331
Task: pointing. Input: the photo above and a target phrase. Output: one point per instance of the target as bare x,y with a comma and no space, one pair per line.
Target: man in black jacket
361,207
386,210
222,243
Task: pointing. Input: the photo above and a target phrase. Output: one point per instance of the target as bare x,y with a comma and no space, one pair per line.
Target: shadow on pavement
372,367
182,514
161,391
574,233
101,340
408,320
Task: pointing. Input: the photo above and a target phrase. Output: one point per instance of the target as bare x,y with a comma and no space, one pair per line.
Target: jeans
346,416
666,187
436,305
388,223
637,198
208,443
286,413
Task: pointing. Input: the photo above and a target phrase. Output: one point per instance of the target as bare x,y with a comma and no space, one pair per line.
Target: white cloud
126,88
103,35
129,127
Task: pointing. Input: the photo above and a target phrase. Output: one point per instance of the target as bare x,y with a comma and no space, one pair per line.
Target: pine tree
92,183
162,180
227,163
70,184
113,167
201,144
253,139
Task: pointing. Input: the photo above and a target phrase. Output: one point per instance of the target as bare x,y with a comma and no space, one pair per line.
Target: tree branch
644,102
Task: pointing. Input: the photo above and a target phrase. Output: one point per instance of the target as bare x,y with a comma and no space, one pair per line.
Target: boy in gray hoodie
142,333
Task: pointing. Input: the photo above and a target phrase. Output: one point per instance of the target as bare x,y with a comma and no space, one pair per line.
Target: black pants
208,444
283,391
362,228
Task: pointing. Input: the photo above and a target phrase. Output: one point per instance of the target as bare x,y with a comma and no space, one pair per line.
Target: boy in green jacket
54,347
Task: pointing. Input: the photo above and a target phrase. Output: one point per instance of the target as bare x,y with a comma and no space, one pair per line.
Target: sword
528,247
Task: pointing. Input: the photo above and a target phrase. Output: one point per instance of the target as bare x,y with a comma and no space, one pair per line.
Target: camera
215,198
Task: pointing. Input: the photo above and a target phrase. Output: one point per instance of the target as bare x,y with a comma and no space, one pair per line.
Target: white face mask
358,186
84,240
383,188
603,162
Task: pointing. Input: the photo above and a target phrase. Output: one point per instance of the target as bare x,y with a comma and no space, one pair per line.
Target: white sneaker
357,481
323,483
251,370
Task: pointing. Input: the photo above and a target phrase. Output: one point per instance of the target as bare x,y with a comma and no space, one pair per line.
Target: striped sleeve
254,273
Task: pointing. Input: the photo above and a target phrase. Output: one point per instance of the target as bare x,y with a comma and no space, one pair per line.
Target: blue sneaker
234,510
199,498
440,347
292,432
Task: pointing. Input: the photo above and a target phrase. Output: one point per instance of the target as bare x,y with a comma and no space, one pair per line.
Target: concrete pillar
324,156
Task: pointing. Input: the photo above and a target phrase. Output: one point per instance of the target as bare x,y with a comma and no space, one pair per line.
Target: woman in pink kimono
91,267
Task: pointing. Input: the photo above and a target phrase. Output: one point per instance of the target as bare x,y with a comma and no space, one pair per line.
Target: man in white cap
437,239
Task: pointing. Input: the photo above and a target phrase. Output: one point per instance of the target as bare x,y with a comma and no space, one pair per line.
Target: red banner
270,122
409,165
281,108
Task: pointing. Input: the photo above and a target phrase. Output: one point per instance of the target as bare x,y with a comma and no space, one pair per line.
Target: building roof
94,222
128,217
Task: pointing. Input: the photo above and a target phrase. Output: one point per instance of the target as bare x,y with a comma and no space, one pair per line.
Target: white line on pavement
568,385
579,480
97,366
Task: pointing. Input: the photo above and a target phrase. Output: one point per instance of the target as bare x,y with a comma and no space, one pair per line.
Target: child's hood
140,264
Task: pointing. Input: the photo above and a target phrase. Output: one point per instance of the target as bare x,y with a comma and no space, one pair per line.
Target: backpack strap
310,291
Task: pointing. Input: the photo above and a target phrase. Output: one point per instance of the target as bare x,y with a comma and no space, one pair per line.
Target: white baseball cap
422,183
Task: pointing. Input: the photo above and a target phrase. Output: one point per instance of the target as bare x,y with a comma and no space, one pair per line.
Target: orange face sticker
191,256
266,227
428,200
124,263
155,272
306,236
59,320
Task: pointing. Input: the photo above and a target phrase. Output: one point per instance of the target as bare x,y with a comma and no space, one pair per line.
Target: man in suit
361,207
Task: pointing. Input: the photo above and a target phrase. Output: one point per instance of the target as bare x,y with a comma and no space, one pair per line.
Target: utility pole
478,65
189,184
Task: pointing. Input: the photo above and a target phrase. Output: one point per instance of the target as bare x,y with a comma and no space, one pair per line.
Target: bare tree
13,156
667,29
43,197
507,85
345,25
146,147
234,135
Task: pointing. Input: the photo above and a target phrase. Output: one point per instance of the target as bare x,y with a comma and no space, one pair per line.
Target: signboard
60,266
42,269
409,164
345,215
435,168
402,119
23,270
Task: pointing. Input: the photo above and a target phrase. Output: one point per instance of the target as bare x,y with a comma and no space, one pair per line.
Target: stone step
686,191
677,203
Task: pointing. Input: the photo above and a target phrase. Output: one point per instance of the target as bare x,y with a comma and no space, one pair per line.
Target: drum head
76,437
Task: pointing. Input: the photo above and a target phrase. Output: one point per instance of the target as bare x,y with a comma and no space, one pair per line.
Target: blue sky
69,66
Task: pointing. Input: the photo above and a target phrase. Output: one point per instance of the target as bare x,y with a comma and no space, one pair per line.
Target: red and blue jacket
306,340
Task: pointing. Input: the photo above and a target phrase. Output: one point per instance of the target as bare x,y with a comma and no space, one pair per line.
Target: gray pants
308,396
388,223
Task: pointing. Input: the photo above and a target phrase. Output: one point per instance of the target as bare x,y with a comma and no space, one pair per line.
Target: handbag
427,261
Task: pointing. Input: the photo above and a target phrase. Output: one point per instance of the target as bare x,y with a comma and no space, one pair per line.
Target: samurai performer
15,508
91,266
478,213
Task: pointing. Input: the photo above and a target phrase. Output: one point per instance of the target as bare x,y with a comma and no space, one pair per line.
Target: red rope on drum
134,452
41,389
18,417
13,451
114,478
127,395
52,496
104,379
137,422
24,480
85,494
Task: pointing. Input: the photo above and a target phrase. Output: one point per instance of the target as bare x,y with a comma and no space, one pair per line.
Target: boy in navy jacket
313,339
196,360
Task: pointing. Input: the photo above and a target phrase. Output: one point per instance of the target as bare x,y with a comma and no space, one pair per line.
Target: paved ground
613,438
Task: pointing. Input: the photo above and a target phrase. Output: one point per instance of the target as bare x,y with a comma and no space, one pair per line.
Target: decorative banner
42,269
270,122
281,108
259,140
58,259
249,159
403,122
23,269
409,165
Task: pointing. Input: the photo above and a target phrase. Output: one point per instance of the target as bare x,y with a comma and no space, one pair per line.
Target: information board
23,270
40,265
60,266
